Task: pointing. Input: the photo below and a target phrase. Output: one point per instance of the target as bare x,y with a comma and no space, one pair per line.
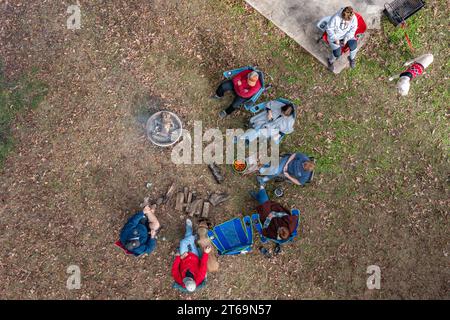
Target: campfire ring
164,128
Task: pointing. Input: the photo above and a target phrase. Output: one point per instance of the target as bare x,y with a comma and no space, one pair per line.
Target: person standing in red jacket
188,269
244,85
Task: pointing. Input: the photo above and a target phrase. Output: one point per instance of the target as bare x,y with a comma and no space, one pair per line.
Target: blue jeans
187,244
262,196
274,173
336,49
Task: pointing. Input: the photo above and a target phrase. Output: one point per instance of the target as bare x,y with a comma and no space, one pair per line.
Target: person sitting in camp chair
188,270
138,236
278,222
244,85
276,120
341,30
297,168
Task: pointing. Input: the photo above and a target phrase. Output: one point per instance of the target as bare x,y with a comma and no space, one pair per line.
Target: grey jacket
338,29
279,123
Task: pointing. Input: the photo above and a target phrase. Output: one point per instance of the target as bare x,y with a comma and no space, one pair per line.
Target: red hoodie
192,263
241,90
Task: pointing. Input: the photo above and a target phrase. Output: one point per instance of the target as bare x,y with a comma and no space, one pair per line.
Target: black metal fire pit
400,10
164,128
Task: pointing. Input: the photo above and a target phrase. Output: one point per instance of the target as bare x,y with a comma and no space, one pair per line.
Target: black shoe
277,249
265,252
216,97
330,65
352,63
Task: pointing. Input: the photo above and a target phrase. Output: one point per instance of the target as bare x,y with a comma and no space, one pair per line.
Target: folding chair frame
246,224
260,106
248,104
359,32
258,227
284,179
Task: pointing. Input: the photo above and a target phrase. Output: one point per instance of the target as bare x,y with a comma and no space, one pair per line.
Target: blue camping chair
284,179
233,237
250,102
261,106
258,226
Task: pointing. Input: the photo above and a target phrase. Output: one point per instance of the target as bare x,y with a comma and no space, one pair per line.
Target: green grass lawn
15,97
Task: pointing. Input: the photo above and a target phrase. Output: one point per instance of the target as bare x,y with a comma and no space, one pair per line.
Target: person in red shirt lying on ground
244,86
188,270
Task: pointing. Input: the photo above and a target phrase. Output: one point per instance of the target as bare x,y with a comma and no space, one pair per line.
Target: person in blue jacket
138,235
296,167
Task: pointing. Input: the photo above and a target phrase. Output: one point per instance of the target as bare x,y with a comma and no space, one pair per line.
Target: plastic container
278,192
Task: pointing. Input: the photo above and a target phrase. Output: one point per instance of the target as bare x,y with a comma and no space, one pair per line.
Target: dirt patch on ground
82,161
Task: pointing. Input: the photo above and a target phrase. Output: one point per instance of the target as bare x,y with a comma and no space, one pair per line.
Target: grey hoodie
338,28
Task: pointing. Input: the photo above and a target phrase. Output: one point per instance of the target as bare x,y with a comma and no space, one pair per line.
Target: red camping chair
120,245
362,27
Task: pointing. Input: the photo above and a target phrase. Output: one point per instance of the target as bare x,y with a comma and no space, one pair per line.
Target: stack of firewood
188,202
162,200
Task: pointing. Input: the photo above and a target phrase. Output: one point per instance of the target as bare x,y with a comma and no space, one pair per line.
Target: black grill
400,10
